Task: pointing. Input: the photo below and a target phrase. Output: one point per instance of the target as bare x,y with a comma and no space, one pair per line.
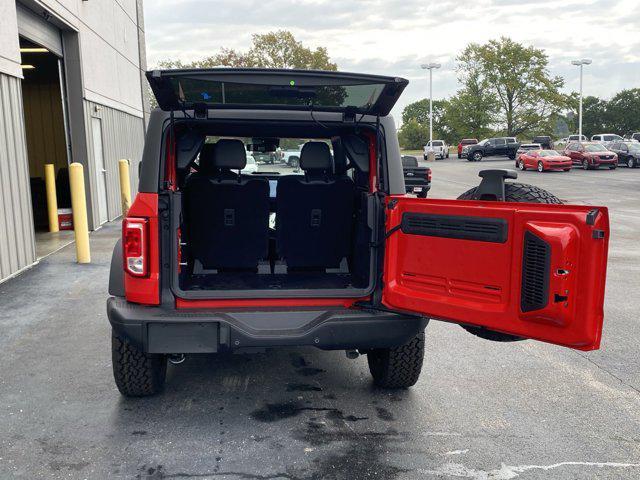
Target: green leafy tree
419,112
622,112
413,135
594,114
277,49
518,78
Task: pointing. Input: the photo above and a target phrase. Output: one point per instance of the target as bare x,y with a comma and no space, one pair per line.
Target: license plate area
182,337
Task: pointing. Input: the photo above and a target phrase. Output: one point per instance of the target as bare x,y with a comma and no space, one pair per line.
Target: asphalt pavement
481,410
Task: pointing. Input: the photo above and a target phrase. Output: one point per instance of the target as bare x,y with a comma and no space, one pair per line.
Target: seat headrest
315,157
230,154
207,154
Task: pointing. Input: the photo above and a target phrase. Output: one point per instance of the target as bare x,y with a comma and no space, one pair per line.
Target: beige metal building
71,90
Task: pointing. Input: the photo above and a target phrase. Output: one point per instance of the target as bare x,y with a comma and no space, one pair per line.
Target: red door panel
531,270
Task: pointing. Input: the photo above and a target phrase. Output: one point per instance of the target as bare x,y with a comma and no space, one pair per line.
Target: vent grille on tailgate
536,262
453,226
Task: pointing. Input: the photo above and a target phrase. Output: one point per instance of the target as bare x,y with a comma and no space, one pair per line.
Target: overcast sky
394,37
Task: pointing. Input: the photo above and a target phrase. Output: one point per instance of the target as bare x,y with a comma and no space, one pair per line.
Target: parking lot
481,410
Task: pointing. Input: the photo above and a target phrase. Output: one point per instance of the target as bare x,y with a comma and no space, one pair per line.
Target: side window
500,141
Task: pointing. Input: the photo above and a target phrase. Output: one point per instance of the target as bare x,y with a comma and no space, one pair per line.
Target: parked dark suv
628,153
499,146
337,257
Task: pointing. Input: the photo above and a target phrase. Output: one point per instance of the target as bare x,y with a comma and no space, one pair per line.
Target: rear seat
314,218
227,215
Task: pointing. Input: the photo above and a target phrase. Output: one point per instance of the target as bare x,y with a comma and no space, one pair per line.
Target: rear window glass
438,143
194,90
283,160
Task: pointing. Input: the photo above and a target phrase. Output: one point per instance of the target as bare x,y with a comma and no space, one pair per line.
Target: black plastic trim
326,328
116,272
536,267
494,230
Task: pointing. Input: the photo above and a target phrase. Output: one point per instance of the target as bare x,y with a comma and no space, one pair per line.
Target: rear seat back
314,218
227,215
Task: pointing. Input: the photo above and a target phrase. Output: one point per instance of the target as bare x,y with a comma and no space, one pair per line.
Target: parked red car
463,142
591,155
543,160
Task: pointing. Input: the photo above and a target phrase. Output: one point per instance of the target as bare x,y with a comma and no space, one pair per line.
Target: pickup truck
440,149
499,146
416,179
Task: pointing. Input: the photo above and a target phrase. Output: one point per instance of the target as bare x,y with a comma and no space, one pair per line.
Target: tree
419,111
517,76
413,135
470,114
594,114
622,112
277,49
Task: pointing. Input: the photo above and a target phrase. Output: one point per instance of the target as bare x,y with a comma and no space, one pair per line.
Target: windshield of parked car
549,153
594,148
484,142
634,147
611,138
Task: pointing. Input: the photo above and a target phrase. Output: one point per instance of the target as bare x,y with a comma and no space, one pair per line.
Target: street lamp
430,67
580,63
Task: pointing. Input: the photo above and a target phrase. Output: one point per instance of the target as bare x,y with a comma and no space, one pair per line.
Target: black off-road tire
136,373
520,193
397,367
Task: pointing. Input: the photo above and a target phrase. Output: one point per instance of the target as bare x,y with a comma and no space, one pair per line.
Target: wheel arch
116,272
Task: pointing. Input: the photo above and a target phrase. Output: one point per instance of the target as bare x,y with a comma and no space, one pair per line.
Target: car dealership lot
480,410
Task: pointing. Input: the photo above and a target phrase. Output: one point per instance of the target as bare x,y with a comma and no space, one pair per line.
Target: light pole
580,63
430,67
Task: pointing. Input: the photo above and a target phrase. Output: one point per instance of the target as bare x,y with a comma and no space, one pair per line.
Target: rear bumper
165,330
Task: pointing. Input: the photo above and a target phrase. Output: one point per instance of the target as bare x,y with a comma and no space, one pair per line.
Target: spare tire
520,193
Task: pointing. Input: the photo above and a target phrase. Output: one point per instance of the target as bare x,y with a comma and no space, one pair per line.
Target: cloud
394,37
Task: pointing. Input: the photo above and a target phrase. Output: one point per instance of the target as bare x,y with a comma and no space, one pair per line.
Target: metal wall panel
38,30
122,137
17,239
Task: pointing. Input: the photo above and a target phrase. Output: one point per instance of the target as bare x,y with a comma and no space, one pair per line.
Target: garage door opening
46,135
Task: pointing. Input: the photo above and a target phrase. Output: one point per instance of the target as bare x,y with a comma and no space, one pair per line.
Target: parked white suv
606,138
440,149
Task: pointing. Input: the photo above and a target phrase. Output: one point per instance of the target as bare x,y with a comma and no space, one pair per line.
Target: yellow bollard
79,207
125,186
52,200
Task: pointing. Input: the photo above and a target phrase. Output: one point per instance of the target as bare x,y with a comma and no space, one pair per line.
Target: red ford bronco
334,255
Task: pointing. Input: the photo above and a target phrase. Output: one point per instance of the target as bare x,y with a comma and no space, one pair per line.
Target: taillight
135,246
429,174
